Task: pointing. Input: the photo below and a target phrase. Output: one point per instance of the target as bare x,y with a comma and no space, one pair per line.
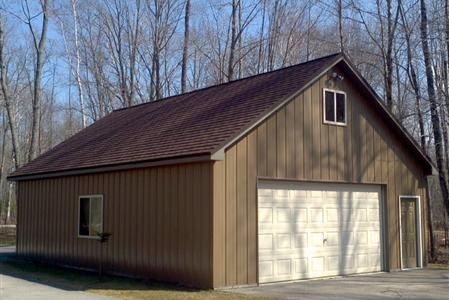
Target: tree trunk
134,36
446,87
157,72
260,57
433,250
413,80
11,186
389,60
415,85
77,66
8,104
442,93
340,24
446,15
36,102
185,48
240,40
433,106
233,40
391,29
272,38
156,61
3,160
445,139
308,34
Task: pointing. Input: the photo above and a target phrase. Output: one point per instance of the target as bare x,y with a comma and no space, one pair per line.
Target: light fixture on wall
337,76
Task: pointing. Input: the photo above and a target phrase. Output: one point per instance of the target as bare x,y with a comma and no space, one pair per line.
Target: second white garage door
316,230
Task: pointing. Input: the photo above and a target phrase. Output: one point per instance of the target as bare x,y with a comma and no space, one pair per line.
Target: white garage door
309,230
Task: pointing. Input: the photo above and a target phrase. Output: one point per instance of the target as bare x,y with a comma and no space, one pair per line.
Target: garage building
292,174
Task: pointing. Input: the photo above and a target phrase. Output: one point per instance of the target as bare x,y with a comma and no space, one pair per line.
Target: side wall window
334,107
90,216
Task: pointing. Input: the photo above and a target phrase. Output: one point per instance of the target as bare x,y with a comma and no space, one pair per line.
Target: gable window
90,216
334,107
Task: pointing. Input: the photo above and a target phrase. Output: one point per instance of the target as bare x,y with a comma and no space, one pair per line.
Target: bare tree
39,47
7,100
260,60
11,122
413,79
185,48
274,32
79,82
121,21
339,6
384,40
163,17
235,7
437,136
391,28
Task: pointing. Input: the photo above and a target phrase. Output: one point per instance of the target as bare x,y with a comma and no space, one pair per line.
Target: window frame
102,215
335,92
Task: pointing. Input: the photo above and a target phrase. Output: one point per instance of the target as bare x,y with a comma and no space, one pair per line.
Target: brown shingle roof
193,123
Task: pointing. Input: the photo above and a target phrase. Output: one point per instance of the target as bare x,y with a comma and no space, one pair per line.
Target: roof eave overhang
117,167
431,168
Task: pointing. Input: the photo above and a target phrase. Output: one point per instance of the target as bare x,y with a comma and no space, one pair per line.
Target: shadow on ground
112,286
71,279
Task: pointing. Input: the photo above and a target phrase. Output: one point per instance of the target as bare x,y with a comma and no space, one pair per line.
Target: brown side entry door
409,233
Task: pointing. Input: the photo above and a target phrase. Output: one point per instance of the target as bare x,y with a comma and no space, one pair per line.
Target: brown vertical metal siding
293,143
160,220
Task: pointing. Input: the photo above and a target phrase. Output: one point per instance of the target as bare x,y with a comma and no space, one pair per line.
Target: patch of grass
7,236
113,286
7,240
438,266
174,295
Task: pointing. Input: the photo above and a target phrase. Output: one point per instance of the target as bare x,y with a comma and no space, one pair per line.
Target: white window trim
102,216
335,107
418,231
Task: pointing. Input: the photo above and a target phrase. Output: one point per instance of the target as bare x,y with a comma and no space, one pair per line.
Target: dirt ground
442,246
7,235
443,256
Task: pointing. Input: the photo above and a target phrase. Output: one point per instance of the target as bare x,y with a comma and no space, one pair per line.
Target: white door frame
418,231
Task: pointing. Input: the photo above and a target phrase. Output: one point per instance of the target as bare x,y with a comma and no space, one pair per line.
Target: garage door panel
266,241
280,267
333,263
300,215
300,239
301,265
317,265
328,214
266,215
318,230
266,269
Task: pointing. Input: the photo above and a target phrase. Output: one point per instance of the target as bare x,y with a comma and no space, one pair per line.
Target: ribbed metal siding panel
160,220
